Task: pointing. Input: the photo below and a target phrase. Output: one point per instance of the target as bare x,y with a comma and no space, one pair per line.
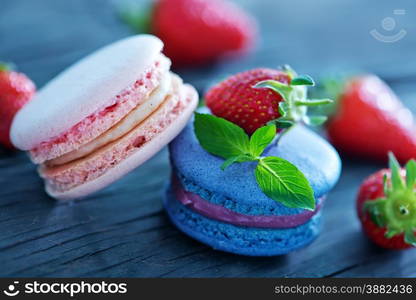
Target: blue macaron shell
236,187
239,239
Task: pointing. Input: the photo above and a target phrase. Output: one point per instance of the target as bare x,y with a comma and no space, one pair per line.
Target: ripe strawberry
244,100
370,121
386,206
200,31
15,91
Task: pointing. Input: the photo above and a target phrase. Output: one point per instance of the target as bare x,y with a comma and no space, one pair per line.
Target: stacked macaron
240,184
103,117
227,210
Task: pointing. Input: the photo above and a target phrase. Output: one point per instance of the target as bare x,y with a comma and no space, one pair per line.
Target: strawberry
370,121
15,91
386,206
256,97
196,31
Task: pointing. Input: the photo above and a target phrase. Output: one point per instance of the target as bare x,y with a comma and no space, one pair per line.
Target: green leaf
302,80
261,138
236,159
411,174
315,120
409,237
313,102
396,178
220,137
283,182
282,89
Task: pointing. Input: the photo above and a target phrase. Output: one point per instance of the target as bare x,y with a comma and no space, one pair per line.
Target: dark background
122,230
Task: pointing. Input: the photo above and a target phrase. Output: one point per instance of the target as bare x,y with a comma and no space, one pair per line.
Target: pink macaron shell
121,157
100,121
84,88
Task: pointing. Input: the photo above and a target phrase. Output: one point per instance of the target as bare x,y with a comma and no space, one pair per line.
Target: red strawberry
386,206
236,99
370,121
15,91
200,31
243,99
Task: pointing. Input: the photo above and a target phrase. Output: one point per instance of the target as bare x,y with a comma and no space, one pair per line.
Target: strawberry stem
396,211
293,108
279,137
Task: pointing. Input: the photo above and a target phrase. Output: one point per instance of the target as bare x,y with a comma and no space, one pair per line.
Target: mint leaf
261,138
302,80
282,123
283,182
236,159
220,137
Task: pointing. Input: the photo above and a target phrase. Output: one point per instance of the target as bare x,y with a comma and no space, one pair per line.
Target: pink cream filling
220,213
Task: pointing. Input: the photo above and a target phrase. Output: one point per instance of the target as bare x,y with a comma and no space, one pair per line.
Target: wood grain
123,230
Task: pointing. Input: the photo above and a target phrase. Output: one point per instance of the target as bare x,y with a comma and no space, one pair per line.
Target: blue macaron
227,210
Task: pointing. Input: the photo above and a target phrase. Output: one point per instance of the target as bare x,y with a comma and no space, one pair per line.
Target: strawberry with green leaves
16,89
248,108
386,206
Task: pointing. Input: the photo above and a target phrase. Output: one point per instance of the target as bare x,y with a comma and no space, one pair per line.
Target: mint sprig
221,137
277,178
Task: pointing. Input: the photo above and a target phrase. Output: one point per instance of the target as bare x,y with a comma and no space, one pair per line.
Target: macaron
227,210
103,117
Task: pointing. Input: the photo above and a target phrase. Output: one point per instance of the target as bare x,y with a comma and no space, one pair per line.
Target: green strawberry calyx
293,109
396,211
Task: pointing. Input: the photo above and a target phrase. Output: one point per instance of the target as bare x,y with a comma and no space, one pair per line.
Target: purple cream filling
220,213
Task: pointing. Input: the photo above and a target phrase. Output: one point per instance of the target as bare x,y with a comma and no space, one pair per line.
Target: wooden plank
123,230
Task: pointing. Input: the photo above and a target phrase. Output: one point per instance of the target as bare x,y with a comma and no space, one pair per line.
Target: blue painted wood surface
123,231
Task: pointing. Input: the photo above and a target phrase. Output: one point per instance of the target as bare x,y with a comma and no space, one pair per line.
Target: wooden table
123,230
